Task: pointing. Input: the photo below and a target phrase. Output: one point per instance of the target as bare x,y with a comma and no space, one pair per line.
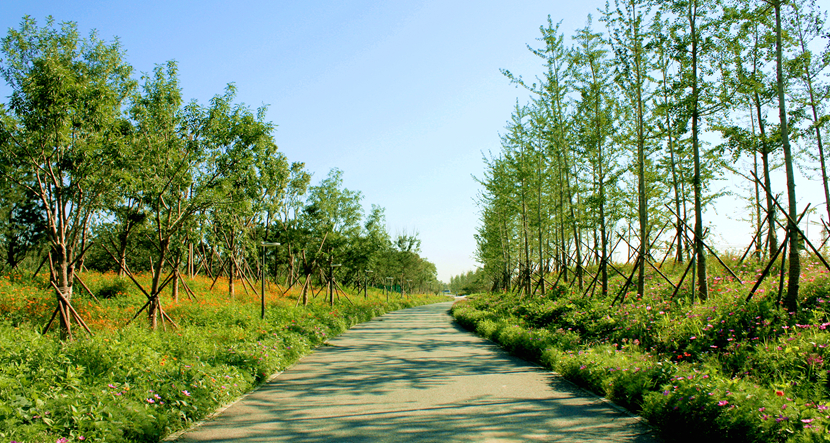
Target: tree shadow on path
414,375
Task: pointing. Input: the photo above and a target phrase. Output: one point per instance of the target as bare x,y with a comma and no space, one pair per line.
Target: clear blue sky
403,96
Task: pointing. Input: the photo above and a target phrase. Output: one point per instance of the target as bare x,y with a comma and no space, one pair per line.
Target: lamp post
366,284
262,271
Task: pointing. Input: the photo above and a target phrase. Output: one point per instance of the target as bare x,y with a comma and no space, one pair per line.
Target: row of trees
101,170
470,283
621,112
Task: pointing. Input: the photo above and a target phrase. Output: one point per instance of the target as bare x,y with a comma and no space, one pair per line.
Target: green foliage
726,370
113,288
470,283
131,384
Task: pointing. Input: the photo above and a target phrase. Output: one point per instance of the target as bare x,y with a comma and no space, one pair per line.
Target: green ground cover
723,370
127,383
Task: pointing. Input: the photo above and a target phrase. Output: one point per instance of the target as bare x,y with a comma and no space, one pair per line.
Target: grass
723,370
128,384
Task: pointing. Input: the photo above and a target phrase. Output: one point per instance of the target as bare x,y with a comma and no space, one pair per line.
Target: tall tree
190,159
695,44
630,39
791,300
61,134
594,130
671,125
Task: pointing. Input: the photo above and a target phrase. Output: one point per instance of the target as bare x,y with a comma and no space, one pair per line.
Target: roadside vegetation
595,241
726,369
159,256
130,384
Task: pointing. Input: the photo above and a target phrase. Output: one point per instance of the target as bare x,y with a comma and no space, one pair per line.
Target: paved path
413,375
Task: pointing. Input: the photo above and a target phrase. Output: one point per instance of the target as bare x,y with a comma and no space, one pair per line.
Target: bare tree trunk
307,281
175,290
772,240
64,279
232,268
700,253
791,300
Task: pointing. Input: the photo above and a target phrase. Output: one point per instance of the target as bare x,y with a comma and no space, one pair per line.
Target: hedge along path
414,375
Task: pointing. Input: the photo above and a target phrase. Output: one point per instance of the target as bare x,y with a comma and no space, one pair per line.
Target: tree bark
791,300
699,251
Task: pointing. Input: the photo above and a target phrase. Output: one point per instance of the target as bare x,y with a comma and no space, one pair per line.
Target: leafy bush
114,288
129,384
724,370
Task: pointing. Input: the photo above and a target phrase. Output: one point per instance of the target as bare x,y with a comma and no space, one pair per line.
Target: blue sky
403,96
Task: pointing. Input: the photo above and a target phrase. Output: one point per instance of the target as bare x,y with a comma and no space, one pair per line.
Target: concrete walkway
413,375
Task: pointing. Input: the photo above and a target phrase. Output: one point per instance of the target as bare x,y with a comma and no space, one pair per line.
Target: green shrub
114,288
724,370
130,384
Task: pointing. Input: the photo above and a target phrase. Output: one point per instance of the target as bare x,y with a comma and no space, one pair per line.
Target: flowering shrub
129,384
723,370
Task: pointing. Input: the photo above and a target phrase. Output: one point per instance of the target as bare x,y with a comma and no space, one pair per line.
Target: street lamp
262,271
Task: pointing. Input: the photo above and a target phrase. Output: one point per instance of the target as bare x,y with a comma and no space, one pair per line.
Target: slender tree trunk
574,223
562,249
525,273
505,285
64,293
791,300
175,290
699,251
673,165
603,264
759,245
641,159
772,240
307,280
541,237
122,251
232,267
154,304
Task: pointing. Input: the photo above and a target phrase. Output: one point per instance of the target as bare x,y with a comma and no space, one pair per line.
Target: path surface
413,375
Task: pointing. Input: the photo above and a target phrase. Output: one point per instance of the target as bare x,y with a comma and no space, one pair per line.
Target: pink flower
186,393
150,400
723,403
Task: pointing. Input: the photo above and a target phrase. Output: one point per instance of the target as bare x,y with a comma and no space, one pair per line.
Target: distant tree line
607,156
470,283
102,170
